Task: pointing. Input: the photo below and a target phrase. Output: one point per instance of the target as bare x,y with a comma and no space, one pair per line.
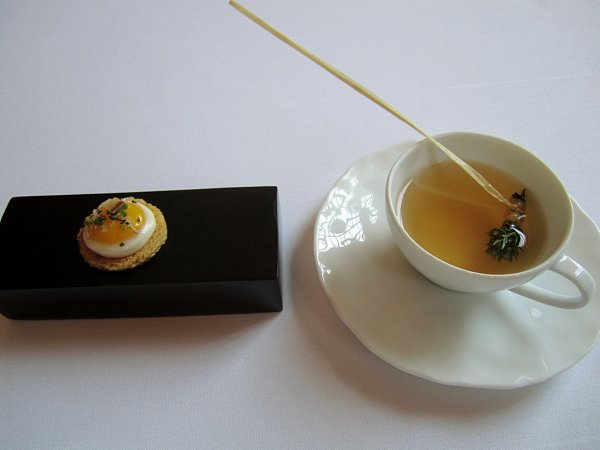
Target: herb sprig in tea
509,239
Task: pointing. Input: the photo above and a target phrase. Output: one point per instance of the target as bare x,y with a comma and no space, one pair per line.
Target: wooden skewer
480,179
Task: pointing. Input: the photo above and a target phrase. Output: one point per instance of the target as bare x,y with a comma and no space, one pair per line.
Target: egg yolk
115,227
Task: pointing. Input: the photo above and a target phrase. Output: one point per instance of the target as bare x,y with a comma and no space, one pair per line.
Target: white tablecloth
137,95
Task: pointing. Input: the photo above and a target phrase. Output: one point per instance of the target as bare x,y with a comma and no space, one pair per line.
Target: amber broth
449,215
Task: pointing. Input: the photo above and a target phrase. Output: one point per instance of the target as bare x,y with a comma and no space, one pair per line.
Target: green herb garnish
117,213
505,242
508,240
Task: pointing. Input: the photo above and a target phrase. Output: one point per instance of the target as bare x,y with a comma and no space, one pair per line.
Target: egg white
131,245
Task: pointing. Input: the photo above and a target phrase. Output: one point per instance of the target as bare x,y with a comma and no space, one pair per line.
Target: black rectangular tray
221,257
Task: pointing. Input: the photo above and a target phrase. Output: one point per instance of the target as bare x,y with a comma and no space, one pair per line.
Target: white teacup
537,177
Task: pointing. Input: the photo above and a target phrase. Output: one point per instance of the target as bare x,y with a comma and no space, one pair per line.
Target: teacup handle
575,273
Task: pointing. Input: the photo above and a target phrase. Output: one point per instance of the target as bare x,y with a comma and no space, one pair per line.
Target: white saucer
499,340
